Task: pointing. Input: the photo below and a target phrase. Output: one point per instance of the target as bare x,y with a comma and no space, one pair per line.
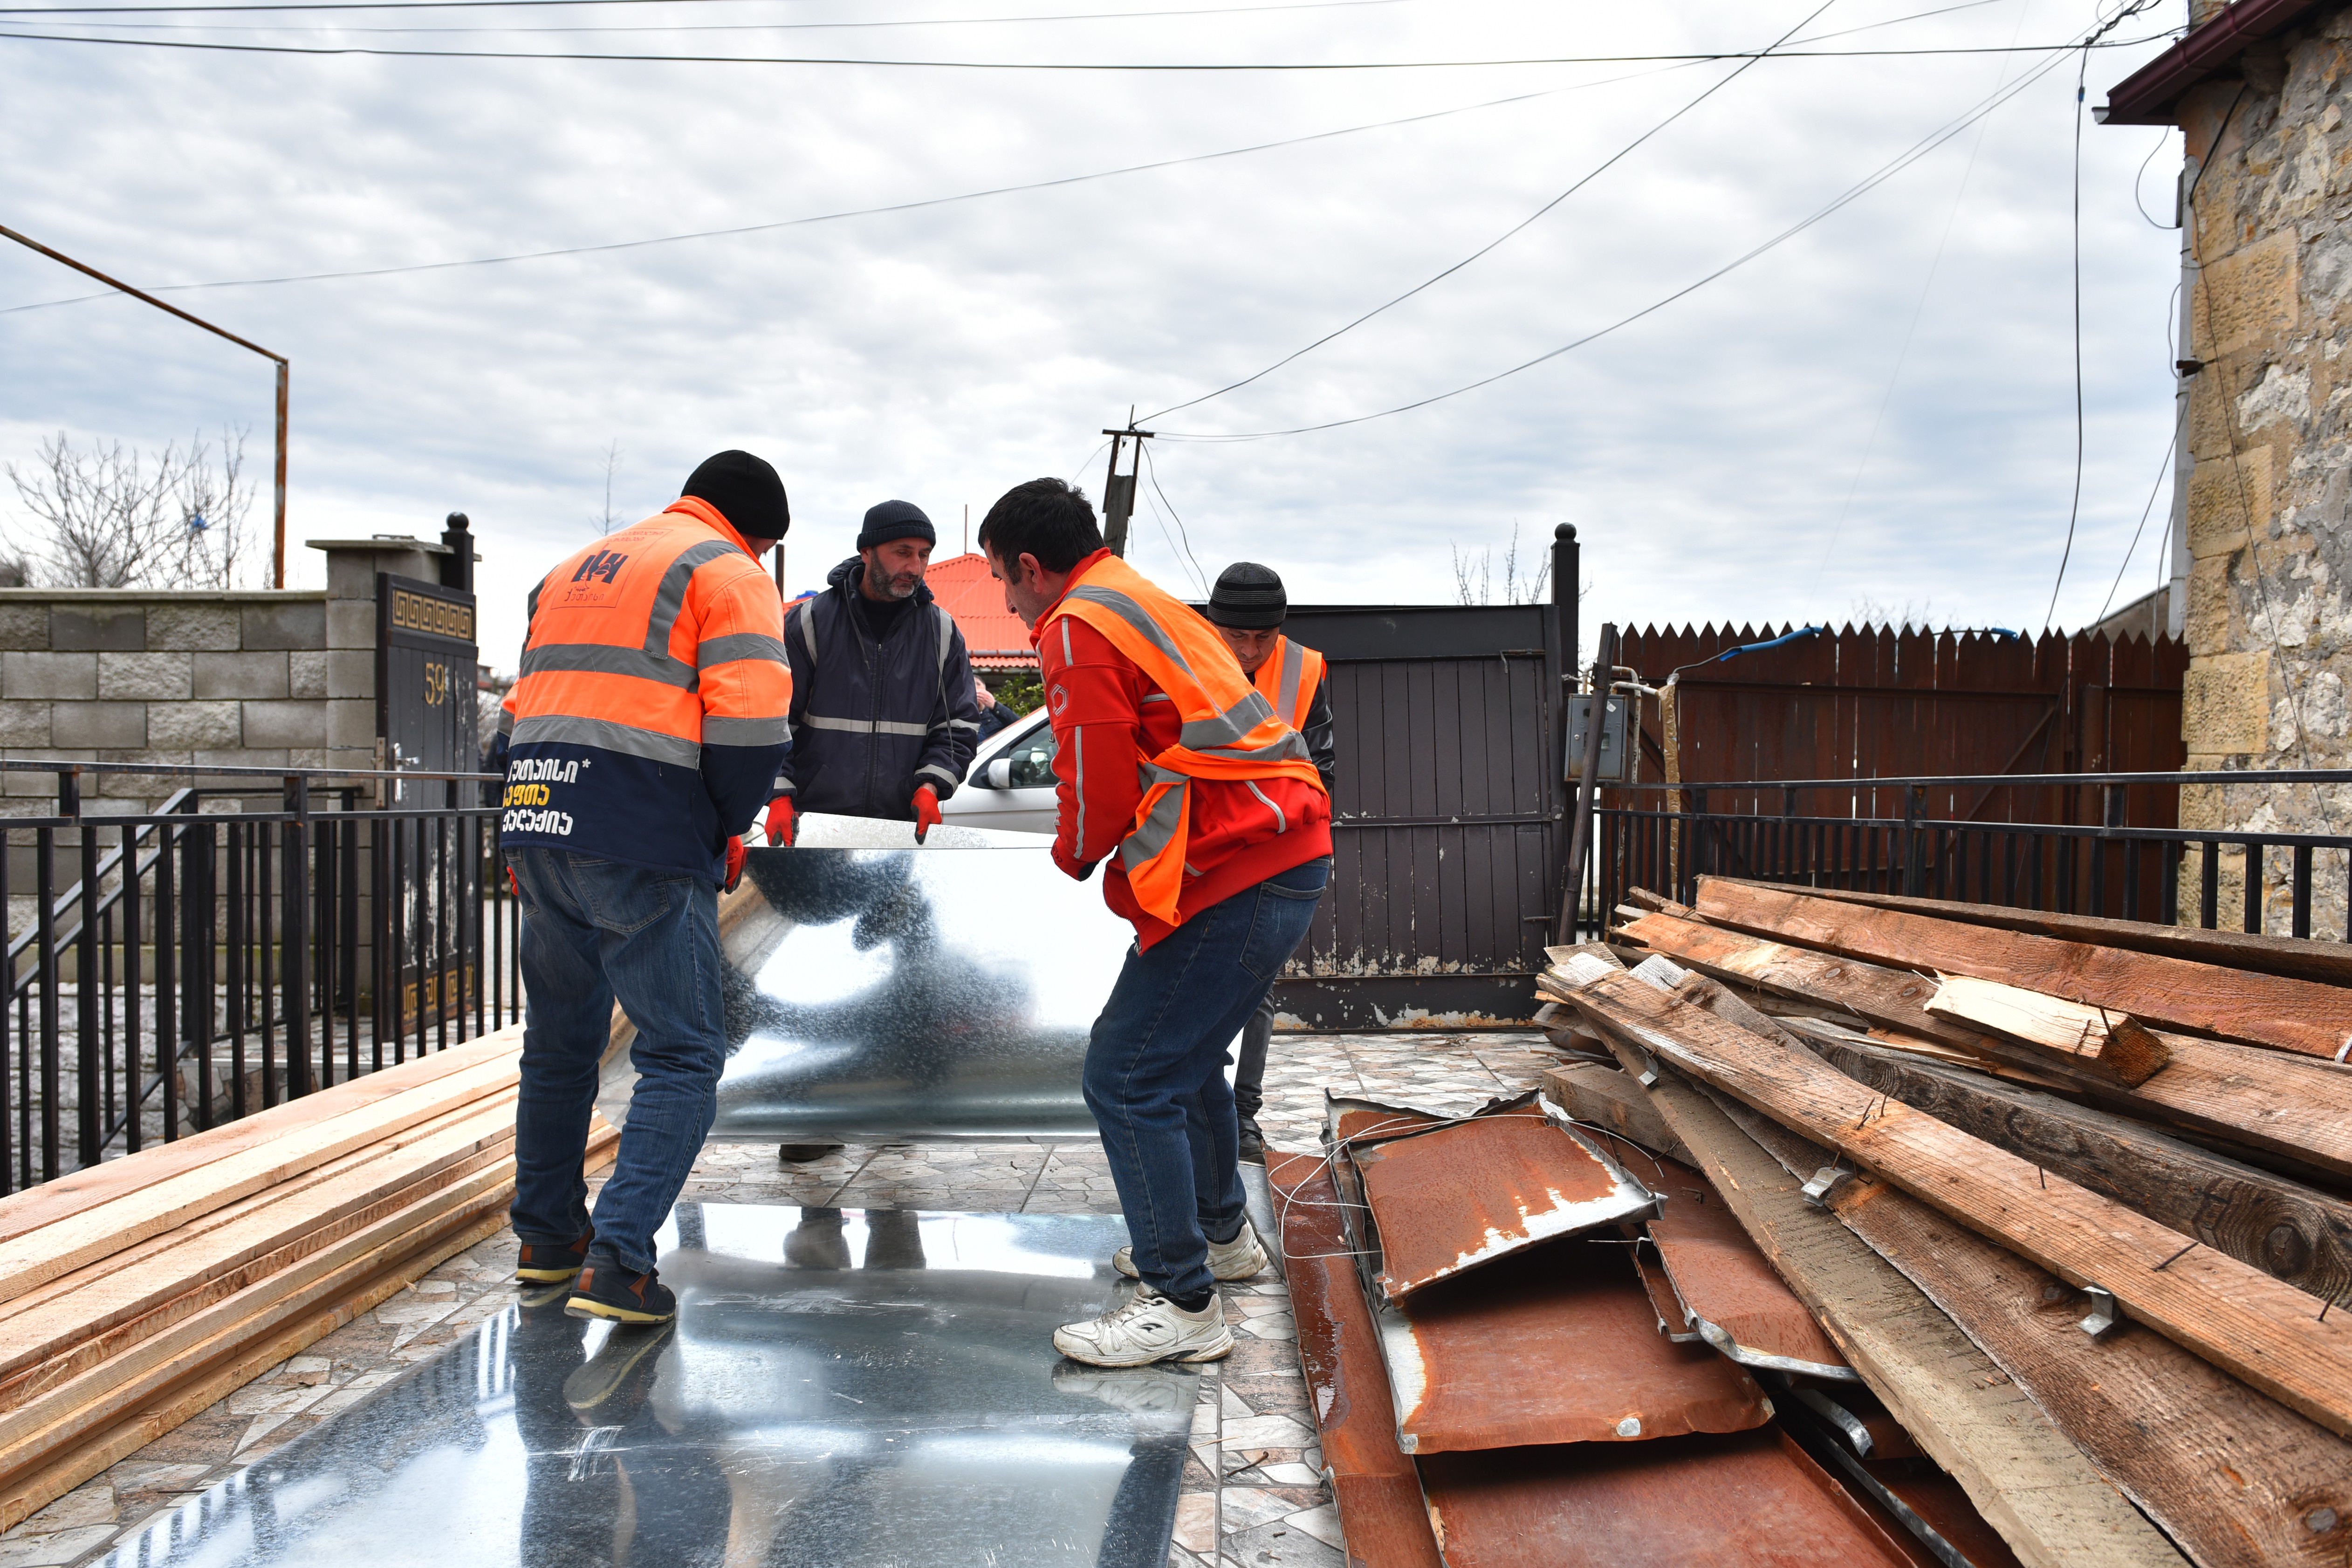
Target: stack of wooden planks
135,1294
2097,1164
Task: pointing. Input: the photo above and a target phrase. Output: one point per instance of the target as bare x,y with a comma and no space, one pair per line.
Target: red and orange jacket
1237,788
650,716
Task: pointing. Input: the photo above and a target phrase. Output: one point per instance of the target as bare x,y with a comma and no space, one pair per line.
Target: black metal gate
1446,826
425,717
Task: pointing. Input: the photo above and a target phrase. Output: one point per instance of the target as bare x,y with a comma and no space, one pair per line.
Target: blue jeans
595,931
1155,1073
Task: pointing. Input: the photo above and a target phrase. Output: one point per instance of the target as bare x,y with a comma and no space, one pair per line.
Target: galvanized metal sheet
902,1402
938,993
1452,1199
1730,1295
1373,1481
1728,1501
1462,1357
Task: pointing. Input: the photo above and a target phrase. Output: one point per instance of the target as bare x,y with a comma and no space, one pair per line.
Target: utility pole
278,530
1118,489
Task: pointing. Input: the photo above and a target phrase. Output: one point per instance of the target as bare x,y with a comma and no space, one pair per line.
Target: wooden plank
2237,1479
2083,1039
1612,1101
103,1307
24,1495
107,1227
2234,1316
80,1190
2275,1010
2019,1470
70,1411
2278,1226
2304,958
2266,1101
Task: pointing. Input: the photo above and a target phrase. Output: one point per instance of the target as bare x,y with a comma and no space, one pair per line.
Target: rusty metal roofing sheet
1554,1344
1373,1481
1748,1498
1674,1318
1459,1197
1733,1298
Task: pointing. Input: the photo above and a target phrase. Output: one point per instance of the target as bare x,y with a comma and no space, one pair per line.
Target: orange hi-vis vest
1229,730
1288,679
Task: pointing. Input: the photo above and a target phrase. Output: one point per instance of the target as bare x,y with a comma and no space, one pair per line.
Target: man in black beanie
883,719
1248,607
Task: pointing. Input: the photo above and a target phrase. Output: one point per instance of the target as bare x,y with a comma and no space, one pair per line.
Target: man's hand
734,862
781,826
927,812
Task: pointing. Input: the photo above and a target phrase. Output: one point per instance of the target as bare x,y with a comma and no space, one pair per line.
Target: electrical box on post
1616,740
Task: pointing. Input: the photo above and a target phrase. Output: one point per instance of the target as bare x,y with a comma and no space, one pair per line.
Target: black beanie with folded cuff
747,492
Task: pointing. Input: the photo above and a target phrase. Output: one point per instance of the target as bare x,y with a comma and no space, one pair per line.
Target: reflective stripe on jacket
1227,729
873,722
650,714
1291,677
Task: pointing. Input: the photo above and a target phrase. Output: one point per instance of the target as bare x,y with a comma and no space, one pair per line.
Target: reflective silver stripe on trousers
1294,665
604,733
864,726
671,595
604,659
1158,830
737,645
718,729
1281,823
1128,610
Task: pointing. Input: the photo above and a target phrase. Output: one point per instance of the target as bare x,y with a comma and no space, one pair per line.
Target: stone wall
2269,437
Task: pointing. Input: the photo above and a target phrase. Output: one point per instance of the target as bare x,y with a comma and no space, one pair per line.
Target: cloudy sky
1880,409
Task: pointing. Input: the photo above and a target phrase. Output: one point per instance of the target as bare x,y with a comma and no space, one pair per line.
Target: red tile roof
997,639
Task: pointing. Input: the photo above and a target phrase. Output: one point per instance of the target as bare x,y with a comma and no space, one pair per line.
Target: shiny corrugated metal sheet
1460,1197
1737,1301
1373,1481
1750,1498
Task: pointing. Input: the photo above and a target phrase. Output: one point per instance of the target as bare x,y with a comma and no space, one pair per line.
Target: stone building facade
2262,515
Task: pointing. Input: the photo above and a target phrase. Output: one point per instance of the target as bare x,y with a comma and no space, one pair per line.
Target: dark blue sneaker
552,1262
607,1289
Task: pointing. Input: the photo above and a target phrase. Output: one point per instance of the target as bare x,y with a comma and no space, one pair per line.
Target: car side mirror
998,774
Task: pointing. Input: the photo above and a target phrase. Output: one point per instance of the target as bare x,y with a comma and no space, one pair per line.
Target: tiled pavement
1252,1496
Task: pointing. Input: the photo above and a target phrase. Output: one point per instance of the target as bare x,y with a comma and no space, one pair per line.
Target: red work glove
927,812
512,883
780,823
734,862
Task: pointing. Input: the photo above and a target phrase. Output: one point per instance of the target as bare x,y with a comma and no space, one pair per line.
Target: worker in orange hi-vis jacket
1214,832
648,725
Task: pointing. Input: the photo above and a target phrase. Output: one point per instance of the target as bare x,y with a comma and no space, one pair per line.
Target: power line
1586,179
336,5
1885,172
2074,507
853,212
1120,67
2170,447
1152,469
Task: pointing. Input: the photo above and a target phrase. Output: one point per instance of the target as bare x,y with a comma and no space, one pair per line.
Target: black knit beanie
747,493
896,520
1248,597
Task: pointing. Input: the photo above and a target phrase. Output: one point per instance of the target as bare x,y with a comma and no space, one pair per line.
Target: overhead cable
1583,179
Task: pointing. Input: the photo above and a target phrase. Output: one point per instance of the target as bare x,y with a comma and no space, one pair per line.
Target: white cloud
942,355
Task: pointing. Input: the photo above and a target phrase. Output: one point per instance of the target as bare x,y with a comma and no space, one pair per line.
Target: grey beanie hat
1248,597
896,520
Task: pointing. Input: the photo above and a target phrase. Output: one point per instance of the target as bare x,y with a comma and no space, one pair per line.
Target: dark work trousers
1249,1071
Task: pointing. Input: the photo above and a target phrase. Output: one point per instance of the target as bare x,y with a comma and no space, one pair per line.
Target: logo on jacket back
592,584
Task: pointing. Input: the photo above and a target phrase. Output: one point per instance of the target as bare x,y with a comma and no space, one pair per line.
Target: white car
1011,784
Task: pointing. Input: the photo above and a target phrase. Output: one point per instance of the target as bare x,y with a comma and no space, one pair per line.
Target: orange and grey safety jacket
1173,766
650,716
1292,679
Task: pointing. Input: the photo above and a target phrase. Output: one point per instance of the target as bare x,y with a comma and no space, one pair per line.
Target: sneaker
1145,1328
607,1289
1230,1262
552,1262
1253,1144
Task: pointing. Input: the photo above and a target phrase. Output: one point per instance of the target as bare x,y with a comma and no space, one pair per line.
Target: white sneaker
1145,1328
1229,1261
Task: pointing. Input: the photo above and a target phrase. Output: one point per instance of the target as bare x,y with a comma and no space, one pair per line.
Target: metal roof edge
2150,94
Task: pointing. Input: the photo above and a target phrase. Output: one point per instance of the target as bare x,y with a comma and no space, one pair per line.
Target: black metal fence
1839,833
262,935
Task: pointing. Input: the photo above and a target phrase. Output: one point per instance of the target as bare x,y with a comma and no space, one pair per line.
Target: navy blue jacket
874,722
